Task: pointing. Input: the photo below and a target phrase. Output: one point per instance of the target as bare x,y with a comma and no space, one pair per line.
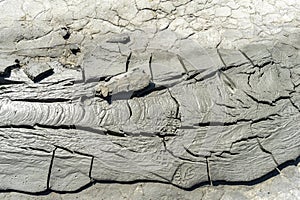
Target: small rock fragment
123,38
38,72
65,33
75,49
131,81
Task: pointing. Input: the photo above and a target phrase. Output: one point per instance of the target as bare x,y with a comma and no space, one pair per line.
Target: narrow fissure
228,81
253,121
182,64
55,127
207,76
150,67
129,108
172,154
35,149
249,79
245,55
64,148
177,115
294,105
221,58
208,172
91,168
50,168
148,90
227,106
194,74
83,75
265,118
252,63
191,153
217,123
128,62
47,100
260,101
268,152
270,103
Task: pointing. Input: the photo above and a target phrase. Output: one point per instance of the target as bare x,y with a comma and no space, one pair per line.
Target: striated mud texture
283,186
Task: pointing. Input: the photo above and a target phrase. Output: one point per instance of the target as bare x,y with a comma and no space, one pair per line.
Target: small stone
122,38
103,90
65,33
129,82
75,49
38,72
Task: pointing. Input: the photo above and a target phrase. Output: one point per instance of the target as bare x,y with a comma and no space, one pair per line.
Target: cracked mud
159,118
